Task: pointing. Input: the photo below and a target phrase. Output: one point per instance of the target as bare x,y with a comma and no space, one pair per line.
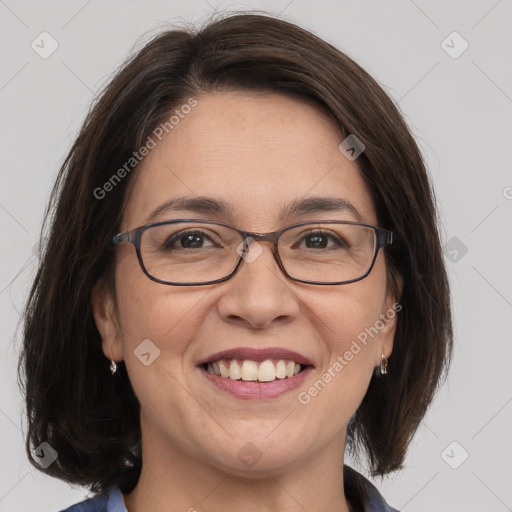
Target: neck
174,479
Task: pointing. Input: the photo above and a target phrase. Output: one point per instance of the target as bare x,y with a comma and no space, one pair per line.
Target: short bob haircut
90,417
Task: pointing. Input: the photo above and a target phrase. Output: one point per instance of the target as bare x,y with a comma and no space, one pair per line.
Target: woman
175,358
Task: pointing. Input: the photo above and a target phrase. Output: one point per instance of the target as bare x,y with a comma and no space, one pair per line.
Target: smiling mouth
268,370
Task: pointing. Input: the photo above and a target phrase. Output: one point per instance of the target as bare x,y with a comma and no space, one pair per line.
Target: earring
383,365
113,367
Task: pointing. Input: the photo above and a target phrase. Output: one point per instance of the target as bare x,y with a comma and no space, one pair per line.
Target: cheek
157,324
348,322
352,349
165,315
351,313
342,381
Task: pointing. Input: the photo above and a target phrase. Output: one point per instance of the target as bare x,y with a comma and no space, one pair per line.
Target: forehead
256,152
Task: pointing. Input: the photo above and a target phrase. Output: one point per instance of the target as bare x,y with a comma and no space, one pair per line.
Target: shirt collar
362,494
115,501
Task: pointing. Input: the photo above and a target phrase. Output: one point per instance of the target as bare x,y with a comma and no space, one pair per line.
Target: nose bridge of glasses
262,237
249,251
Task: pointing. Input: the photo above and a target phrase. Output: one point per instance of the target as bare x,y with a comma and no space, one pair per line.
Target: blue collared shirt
357,488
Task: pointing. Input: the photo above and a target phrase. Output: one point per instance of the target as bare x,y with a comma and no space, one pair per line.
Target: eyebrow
210,206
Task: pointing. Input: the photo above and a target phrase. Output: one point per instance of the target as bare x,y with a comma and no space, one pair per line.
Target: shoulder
107,502
362,494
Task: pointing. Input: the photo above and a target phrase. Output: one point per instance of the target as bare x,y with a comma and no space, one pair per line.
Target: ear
388,316
106,318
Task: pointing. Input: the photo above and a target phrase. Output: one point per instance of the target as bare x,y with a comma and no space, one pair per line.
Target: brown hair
73,402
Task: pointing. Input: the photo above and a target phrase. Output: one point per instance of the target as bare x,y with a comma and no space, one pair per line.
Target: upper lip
257,355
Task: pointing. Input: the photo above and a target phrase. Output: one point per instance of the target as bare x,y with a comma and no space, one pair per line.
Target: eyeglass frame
133,236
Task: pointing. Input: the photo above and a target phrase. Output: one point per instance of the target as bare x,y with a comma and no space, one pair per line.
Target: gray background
460,112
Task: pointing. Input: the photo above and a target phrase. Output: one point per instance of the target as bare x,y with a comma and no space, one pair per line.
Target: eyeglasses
192,252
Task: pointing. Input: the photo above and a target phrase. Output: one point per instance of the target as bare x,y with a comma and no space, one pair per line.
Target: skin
257,151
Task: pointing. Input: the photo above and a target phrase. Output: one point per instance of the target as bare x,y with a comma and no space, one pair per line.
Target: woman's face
258,153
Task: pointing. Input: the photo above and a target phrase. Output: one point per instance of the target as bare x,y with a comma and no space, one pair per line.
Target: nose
259,293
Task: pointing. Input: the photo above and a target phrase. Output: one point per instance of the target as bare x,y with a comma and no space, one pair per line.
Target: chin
256,468
261,455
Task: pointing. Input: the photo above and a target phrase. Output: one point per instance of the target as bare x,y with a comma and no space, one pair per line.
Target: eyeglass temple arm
121,237
385,237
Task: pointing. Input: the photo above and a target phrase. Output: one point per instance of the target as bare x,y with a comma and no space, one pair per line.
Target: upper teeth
265,371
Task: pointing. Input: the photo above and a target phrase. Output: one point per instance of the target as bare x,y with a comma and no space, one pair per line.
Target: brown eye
190,239
319,239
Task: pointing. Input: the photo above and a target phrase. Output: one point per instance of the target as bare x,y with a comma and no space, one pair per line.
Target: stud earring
113,367
383,365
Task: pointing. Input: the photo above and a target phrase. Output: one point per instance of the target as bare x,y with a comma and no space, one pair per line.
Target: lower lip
254,389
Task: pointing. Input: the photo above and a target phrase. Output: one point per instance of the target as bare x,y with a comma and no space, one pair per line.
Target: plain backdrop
455,91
